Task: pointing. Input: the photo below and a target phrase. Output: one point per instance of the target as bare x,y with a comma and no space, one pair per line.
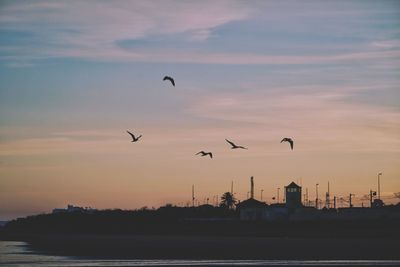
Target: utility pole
232,188
370,198
262,190
327,199
334,202
192,195
316,196
308,203
350,196
278,194
252,187
379,185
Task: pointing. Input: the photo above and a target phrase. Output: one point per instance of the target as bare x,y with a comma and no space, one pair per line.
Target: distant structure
328,198
72,208
377,203
293,196
251,187
252,209
193,198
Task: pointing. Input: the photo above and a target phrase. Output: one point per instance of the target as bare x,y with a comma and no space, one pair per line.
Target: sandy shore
210,247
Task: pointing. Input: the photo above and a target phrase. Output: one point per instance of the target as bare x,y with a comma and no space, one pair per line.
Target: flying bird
205,154
169,79
134,139
235,146
287,139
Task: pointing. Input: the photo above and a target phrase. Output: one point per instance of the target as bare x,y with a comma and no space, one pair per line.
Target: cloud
322,120
386,44
93,30
98,25
120,55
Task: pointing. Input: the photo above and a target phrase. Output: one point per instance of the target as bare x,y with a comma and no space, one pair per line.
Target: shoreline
212,247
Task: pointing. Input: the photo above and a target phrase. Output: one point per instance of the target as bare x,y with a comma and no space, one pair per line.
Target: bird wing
284,140
211,156
169,79
291,143
131,134
231,143
201,152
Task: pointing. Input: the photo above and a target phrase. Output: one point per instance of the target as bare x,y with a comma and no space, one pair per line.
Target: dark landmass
203,220
202,233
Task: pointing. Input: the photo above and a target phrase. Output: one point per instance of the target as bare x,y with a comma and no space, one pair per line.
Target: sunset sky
75,75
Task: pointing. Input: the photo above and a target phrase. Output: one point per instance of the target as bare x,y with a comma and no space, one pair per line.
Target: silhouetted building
251,210
293,196
72,208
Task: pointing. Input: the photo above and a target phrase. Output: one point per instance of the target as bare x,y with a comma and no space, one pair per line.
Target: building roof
251,203
293,184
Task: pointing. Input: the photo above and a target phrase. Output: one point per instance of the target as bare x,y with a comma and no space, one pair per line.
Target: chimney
252,187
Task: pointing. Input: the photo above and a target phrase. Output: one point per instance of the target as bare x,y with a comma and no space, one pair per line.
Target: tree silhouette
228,200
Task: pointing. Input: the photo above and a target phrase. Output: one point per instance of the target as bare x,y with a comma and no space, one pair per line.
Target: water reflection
18,254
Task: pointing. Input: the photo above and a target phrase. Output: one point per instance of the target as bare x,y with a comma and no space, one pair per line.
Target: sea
18,254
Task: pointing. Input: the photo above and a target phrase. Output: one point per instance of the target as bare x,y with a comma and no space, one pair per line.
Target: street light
316,194
379,185
278,195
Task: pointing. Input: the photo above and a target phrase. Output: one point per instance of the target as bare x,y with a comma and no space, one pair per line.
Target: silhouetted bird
169,79
134,139
205,154
287,139
235,146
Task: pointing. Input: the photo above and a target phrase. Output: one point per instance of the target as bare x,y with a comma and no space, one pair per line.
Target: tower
293,196
251,187
328,199
192,195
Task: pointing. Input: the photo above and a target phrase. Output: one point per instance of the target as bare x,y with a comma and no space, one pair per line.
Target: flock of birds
203,153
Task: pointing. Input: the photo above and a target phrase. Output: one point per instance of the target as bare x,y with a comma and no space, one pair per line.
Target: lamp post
278,194
316,194
350,197
379,185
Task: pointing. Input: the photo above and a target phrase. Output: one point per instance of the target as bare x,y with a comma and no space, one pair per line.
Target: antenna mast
193,195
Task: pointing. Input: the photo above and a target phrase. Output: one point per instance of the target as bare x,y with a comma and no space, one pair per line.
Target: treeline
202,220
164,219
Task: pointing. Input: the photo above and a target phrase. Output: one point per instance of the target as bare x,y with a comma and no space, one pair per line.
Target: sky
74,76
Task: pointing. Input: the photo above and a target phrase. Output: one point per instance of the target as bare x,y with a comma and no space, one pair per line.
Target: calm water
18,254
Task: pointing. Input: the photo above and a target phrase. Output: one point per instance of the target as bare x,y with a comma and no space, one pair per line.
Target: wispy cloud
119,55
92,30
322,120
96,25
386,44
